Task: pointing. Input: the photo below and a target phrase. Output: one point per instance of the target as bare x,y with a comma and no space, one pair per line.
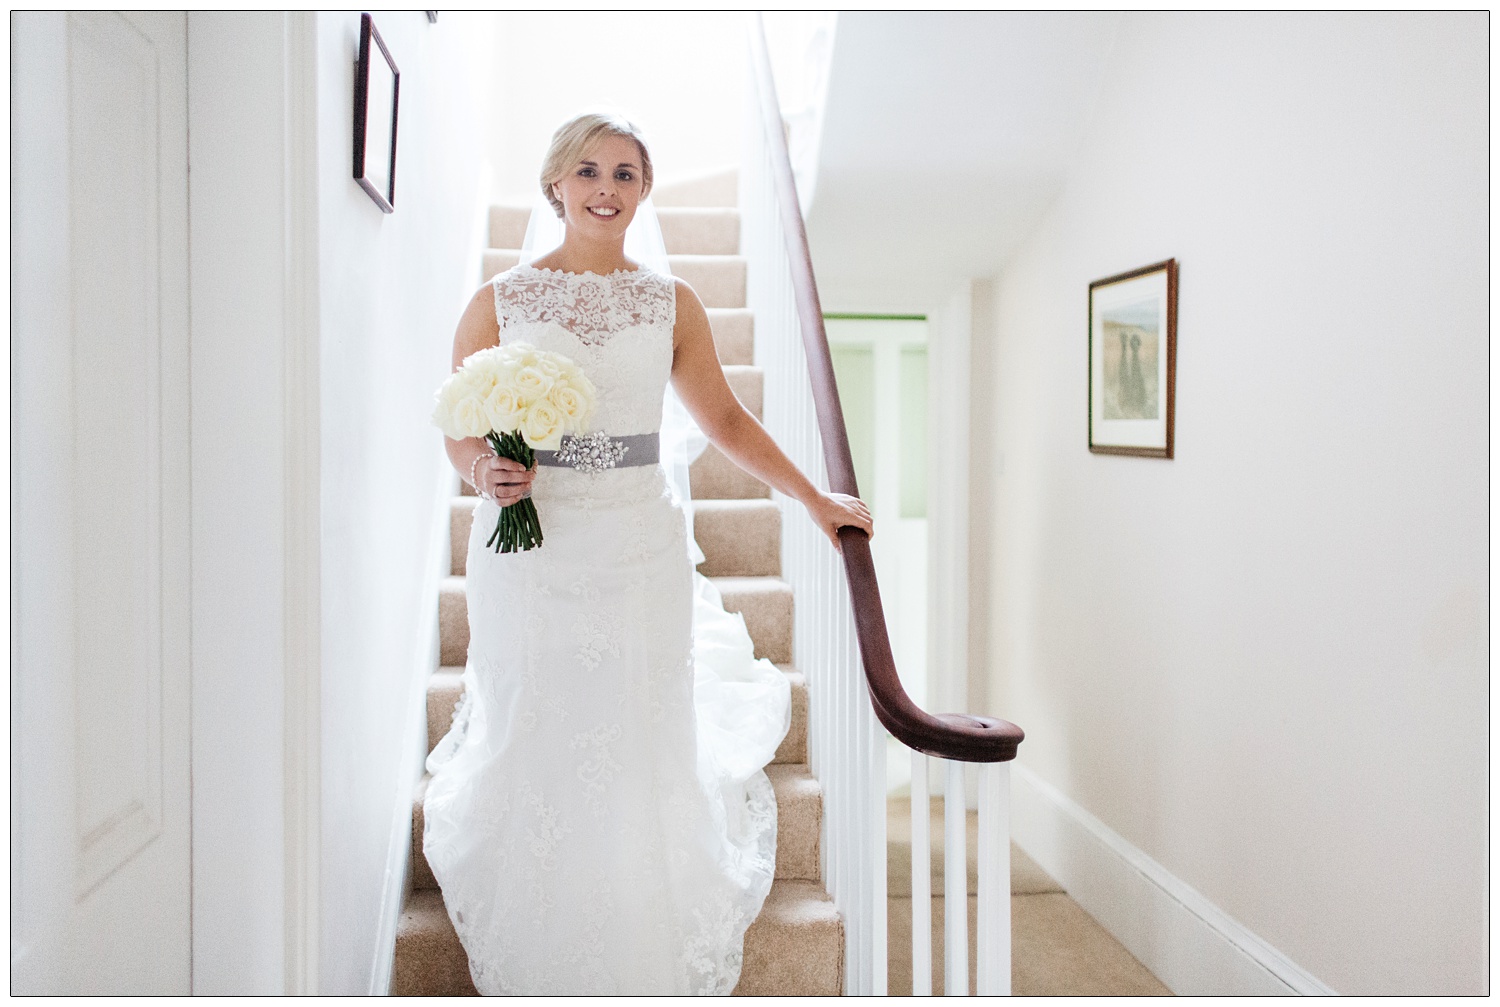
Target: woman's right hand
503,480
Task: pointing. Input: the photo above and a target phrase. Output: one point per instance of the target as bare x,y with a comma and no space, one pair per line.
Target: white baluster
955,885
879,938
921,878
994,879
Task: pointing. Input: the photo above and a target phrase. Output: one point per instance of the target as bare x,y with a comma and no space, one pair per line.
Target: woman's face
601,192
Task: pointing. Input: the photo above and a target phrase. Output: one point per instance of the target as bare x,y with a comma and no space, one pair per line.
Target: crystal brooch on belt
593,452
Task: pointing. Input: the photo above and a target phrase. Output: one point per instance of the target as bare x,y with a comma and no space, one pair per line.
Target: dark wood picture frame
378,176
1166,385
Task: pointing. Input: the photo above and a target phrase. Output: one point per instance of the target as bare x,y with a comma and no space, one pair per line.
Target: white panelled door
100,813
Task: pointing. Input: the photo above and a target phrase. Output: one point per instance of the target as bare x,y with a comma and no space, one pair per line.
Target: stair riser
460,523
768,614
714,477
739,538
453,622
684,230
722,188
694,231
734,334
799,822
719,280
748,385
508,226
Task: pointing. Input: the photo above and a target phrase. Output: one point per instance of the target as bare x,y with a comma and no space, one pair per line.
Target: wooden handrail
959,736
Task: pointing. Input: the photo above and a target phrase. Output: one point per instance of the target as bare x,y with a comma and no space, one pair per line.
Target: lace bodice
617,327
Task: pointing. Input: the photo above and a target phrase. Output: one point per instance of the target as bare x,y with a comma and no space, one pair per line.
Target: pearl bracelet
473,477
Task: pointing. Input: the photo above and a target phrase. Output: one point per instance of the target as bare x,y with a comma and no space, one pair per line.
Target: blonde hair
574,139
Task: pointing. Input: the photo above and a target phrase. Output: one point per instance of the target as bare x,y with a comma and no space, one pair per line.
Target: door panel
100,576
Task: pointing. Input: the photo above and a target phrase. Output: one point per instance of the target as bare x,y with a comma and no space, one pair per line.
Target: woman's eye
623,176
586,172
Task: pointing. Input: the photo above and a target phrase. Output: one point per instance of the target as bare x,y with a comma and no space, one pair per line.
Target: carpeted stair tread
1026,877
799,821
739,538
794,745
766,604
444,687
795,946
430,961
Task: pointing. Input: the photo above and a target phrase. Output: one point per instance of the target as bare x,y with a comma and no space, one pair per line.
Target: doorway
880,363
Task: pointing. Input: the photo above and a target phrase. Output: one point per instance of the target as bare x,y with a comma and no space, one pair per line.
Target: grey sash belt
596,451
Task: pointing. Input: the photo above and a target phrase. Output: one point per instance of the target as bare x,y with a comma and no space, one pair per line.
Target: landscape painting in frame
1133,361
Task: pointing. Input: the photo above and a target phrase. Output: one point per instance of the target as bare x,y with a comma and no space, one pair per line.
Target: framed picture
1133,361
377,87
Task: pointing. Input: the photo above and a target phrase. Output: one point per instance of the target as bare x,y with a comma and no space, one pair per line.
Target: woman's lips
603,212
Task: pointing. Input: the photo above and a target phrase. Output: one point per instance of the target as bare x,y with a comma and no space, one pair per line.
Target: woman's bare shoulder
479,326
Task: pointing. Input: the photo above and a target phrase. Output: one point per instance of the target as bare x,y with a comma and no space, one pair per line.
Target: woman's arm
500,479
698,378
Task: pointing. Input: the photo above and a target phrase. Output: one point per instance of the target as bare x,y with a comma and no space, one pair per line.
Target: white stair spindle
875,788
994,879
955,884
921,879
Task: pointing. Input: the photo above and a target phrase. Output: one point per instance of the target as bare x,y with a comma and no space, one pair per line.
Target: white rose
503,409
543,426
531,384
457,389
469,418
569,403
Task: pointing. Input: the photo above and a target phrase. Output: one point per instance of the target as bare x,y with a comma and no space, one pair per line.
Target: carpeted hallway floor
1057,949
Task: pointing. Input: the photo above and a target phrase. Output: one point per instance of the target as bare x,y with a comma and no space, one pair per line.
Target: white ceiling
946,137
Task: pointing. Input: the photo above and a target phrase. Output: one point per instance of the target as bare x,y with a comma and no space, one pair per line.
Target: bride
598,817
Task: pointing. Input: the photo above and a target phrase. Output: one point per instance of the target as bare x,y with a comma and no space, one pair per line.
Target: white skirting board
1184,939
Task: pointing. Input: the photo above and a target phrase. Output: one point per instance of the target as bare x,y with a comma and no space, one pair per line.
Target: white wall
1263,663
392,289
678,74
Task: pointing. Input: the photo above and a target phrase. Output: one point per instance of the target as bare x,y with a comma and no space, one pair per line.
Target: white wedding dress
599,818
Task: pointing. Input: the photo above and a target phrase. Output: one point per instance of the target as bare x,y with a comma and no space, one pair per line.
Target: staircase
796,946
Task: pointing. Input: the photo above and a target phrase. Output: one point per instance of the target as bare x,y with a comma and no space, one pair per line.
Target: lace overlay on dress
598,816
592,306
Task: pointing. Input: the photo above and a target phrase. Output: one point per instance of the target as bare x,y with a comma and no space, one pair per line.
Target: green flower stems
518,528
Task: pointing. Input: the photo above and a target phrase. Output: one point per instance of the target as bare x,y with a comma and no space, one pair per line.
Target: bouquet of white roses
519,399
